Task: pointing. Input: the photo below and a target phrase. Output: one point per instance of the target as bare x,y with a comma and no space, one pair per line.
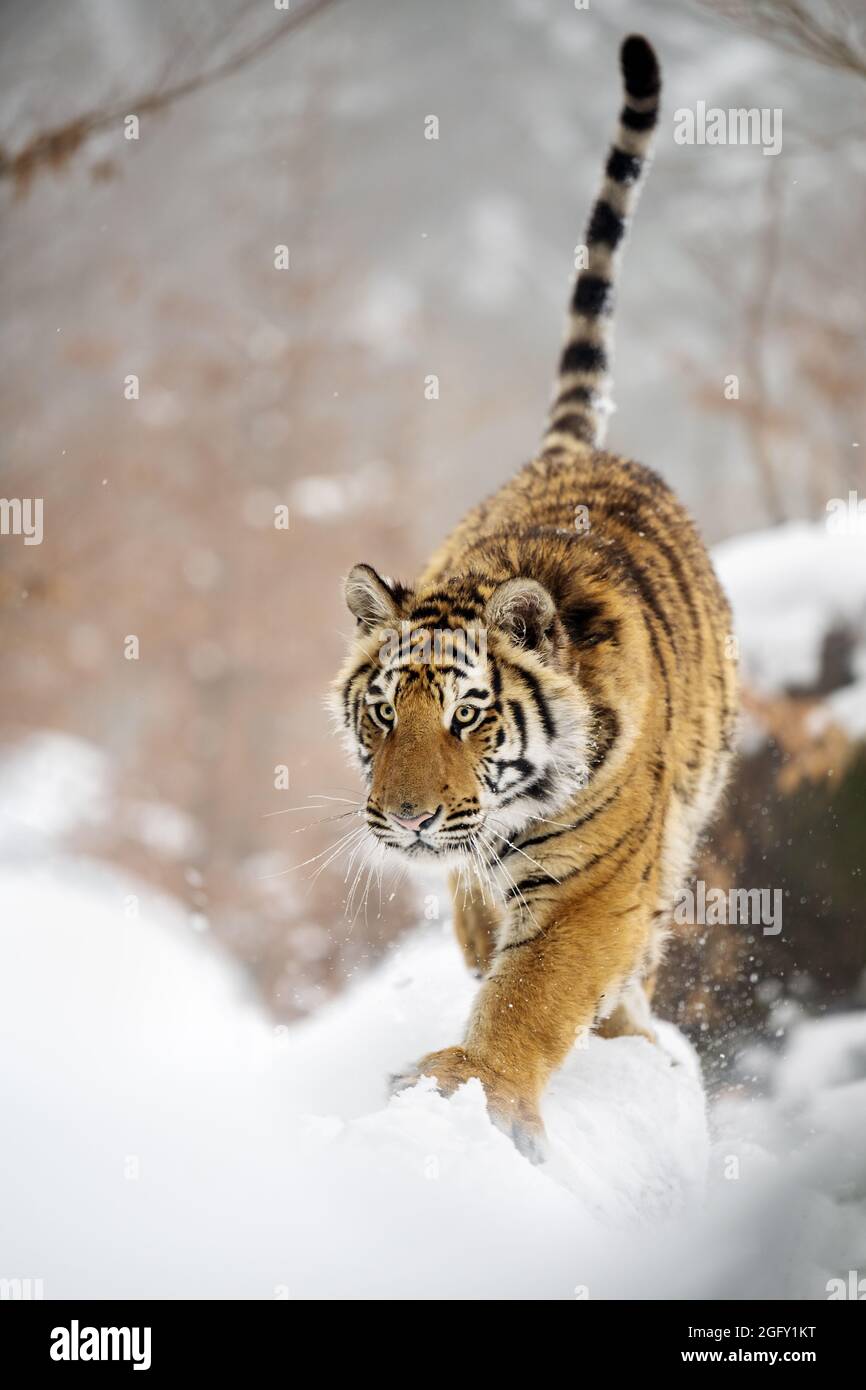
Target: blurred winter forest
303,387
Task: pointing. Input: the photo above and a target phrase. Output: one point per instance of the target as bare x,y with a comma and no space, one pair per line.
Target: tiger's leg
542,992
631,1017
632,1014
475,924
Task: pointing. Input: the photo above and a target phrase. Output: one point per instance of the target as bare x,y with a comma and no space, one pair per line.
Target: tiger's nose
418,822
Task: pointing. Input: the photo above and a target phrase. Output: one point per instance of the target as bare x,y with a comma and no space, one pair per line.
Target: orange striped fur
565,744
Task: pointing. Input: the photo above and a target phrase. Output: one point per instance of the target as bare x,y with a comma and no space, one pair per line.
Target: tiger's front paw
514,1113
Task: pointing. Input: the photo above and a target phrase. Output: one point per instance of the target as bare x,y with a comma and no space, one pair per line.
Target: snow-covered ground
789,588
163,1138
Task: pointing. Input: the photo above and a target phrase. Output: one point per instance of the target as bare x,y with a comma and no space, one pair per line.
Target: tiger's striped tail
580,402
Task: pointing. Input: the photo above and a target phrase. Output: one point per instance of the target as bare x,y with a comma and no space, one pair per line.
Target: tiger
549,712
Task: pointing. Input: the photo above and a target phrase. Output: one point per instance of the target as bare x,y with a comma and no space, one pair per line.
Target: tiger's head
457,706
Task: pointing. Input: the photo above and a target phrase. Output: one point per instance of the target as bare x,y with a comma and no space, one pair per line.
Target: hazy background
305,387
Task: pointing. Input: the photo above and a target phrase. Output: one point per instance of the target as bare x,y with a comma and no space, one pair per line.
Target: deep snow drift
162,1138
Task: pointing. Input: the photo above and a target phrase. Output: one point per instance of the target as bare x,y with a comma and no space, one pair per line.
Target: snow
52,784
163,1138
49,784
788,588
845,707
496,251
323,497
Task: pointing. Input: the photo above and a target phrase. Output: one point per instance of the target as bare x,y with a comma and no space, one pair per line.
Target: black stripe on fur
583,357
605,225
577,395
624,168
577,426
638,120
640,68
591,294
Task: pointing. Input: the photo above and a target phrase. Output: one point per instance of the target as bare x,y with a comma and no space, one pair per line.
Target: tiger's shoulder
582,515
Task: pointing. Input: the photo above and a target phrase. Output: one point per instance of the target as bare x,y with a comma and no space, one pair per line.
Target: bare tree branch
53,148
823,30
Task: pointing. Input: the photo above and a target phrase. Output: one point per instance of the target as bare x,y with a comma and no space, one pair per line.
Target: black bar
226,1337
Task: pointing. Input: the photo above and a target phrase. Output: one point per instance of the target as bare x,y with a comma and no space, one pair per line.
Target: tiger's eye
464,714
386,712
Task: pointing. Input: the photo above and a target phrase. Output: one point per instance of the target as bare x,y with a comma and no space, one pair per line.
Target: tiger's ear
371,598
524,610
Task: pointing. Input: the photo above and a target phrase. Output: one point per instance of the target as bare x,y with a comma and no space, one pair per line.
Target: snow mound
789,588
164,1139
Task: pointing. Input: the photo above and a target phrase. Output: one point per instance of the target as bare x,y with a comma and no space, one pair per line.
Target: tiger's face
457,708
